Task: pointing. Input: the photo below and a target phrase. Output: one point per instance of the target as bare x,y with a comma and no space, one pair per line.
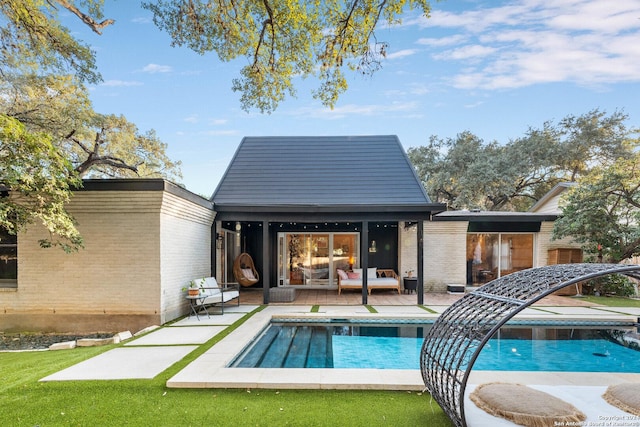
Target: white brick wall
185,231
141,247
444,254
545,243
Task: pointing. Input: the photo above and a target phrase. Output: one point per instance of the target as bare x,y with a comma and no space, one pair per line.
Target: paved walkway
147,356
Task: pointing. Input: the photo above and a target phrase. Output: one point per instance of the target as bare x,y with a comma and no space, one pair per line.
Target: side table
193,304
410,284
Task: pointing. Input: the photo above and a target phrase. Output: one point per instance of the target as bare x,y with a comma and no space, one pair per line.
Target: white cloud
120,83
401,53
142,20
526,42
358,110
218,122
466,52
156,68
442,41
192,119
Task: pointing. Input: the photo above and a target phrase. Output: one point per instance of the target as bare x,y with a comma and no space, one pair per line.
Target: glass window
8,259
311,258
493,255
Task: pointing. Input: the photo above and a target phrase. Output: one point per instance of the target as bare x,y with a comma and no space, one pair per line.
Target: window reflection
493,255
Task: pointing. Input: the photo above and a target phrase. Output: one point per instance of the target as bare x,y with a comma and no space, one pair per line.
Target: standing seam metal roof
320,171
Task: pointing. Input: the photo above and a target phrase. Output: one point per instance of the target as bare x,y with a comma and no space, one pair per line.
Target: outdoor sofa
212,294
383,278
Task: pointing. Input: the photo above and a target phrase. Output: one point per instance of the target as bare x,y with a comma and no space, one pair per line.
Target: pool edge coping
211,370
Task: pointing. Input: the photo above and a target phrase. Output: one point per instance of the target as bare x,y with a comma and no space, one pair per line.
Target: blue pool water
399,348
588,355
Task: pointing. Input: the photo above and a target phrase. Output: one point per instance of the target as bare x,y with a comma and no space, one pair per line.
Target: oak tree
467,173
602,212
284,40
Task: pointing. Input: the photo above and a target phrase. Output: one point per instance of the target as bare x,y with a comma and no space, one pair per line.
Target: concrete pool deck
149,355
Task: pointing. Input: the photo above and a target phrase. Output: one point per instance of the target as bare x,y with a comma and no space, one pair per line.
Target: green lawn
613,301
27,402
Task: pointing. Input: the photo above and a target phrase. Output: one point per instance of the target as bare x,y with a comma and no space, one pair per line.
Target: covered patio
304,207
387,298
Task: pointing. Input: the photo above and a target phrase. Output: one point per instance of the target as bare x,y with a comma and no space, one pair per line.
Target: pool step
255,356
320,349
298,347
277,352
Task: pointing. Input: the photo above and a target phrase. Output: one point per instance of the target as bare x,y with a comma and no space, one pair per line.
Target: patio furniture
282,294
455,340
212,294
245,271
525,405
377,279
410,284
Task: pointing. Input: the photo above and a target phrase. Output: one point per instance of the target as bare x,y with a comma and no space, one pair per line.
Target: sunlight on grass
612,301
25,401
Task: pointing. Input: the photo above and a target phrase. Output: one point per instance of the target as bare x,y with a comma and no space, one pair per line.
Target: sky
494,68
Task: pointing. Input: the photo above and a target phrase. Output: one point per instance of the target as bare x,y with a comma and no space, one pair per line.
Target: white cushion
371,272
248,273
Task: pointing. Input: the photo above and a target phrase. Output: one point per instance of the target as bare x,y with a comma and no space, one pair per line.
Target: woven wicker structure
455,340
245,262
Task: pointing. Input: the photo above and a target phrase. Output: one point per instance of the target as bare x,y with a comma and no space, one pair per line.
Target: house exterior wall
185,251
444,254
545,243
128,275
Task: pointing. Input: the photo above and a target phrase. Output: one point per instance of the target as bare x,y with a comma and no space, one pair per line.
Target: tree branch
95,26
263,31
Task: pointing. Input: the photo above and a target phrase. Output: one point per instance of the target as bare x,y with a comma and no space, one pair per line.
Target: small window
8,260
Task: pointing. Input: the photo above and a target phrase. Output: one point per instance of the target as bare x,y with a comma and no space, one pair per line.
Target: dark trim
503,227
310,217
420,242
364,260
496,217
306,209
266,263
143,184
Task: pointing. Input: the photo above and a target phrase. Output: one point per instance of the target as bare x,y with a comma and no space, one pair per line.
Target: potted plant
409,273
193,290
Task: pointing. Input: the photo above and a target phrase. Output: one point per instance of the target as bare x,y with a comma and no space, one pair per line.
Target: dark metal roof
321,174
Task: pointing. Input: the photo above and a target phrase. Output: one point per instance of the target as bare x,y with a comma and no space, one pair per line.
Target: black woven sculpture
455,340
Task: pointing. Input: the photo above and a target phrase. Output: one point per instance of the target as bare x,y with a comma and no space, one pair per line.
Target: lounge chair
212,294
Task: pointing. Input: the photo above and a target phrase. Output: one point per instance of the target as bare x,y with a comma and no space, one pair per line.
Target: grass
612,301
27,402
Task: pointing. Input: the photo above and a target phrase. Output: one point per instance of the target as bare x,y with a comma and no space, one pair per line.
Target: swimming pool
517,348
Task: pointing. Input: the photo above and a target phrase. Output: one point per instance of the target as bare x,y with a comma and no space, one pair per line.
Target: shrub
615,284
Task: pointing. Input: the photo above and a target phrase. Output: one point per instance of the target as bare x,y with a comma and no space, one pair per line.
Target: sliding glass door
310,259
493,255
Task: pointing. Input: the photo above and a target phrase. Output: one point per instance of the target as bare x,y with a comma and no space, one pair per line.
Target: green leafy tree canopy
36,181
602,212
467,173
282,40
